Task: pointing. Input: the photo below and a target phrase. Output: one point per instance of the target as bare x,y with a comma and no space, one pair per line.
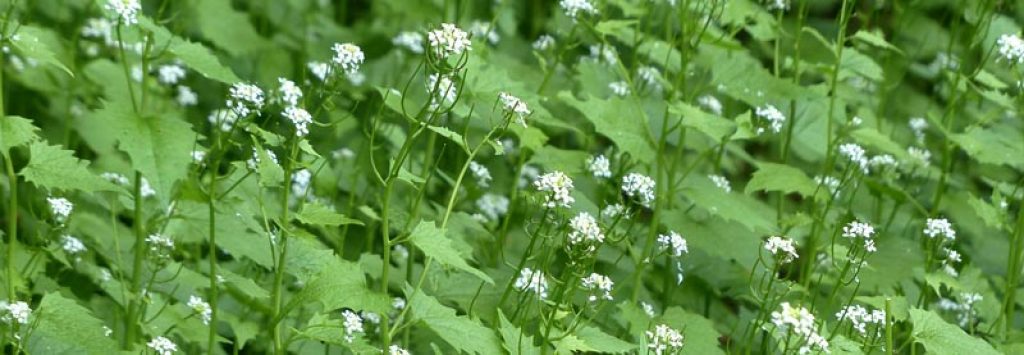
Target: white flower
856,121
801,322
162,346
245,98
61,208
649,75
544,42
664,340
198,156
398,303
856,155
639,187
170,74
400,253
573,8
254,162
557,187
599,166
18,312
290,93
201,308
348,56
352,323
883,161
603,52
857,229
920,156
320,70
492,206
72,245
186,97
115,178
533,281
126,11
721,182
775,119
527,174
343,153
597,282
935,227
1011,48
397,350
613,210
146,190
481,173
619,88
514,106
861,318
443,90
828,182
99,28
781,5
674,243
648,308
223,119
918,125
301,181
159,244
585,231
413,41
484,30
300,118
782,247
448,40
710,103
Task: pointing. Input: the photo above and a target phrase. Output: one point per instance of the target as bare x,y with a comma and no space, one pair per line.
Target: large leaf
997,145
939,337
31,44
621,120
782,178
341,283
316,213
54,168
590,339
462,333
193,55
699,333
64,327
227,28
714,126
516,340
435,244
15,131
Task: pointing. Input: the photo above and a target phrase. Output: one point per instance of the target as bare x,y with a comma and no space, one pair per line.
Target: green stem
279,345
212,204
135,305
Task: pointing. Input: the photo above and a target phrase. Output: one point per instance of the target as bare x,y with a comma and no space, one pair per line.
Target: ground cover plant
523,177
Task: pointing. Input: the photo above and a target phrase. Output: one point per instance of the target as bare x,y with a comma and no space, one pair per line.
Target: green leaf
193,55
54,168
782,178
590,339
939,337
31,45
316,213
64,327
16,131
339,284
516,340
699,333
435,244
271,174
228,28
462,333
714,126
997,145
871,138
875,39
160,147
621,120
452,136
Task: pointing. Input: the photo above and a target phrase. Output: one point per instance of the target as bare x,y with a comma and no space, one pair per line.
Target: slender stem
212,205
135,305
279,345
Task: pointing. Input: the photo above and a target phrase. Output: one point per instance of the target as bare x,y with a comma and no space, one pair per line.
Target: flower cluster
17,312
492,206
413,41
597,283
352,323
674,243
557,188
935,227
72,245
649,76
348,57
864,231
481,173
619,88
585,231
533,281
856,155
200,307
544,42
160,245
162,346
784,249
573,8
481,29
1011,48
964,309
639,187
918,125
126,11
300,118
772,117
861,318
397,350
800,321
710,103
448,41
245,99
443,90
514,106
830,183
721,182
61,208
599,166
664,340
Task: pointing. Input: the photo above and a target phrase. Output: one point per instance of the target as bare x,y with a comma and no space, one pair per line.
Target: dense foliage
505,176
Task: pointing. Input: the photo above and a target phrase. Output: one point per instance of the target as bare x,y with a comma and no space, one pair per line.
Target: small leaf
316,213
16,131
54,168
939,337
714,126
590,339
193,55
782,178
31,45
516,340
432,240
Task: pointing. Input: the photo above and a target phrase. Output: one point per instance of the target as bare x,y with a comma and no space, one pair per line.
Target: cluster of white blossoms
964,309
721,182
710,103
533,281
639,187
605,53
830,183
613,210
619,88
481,29
597,283
557,188
17,312
864,231
674,243
448,41
245,98
160,244
352,323
223,118
573,8
72,245
801,322
443,89
413,41
514,106
200,307
772,116
781,5
115,178
61,208
939,227
348,57
856,155
289,92
882,162
300,118
397,350
918,125
544,42
162,346
599,166
861,318
919,156
319,69
649,76
170,74
585,231
664,340
126,11
1011,48
186,97
480,173
784,249
492,206
301,181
